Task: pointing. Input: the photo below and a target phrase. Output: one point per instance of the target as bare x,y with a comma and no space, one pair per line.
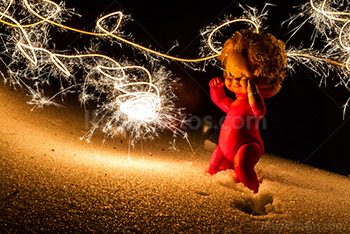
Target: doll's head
257,55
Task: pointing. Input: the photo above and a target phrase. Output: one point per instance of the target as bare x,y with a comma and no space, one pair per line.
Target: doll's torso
240,127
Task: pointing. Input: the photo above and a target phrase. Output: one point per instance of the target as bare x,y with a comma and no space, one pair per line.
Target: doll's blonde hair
266,56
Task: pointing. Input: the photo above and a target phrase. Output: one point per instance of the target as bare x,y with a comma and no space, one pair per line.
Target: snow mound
51,182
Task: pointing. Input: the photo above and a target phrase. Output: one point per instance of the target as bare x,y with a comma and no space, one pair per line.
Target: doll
254,69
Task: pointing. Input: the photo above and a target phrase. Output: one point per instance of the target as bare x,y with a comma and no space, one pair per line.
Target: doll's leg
247,156
218,162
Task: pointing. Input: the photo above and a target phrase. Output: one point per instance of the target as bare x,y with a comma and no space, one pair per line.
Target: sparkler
131,99
332,26
138,108
127,99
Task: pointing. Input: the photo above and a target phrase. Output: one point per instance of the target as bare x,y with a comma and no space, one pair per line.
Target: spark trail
131,99
135,102
331,23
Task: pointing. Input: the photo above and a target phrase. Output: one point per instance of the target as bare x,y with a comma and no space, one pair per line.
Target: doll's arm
218,95
255,99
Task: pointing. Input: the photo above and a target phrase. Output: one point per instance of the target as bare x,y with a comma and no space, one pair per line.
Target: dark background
304,122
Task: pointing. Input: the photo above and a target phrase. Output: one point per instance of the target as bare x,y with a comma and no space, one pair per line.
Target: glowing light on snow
141,108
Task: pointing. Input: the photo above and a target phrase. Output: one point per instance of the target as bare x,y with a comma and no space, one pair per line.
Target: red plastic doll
254,69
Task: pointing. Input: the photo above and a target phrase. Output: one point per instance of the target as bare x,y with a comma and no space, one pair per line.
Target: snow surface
51,181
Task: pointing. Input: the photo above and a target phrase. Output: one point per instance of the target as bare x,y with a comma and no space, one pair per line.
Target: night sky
304,121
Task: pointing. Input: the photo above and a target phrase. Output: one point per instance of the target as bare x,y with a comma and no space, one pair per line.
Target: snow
51,181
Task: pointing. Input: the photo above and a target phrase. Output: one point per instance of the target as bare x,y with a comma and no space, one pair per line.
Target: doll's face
237,67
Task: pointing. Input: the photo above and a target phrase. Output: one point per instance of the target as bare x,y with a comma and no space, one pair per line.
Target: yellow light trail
137,105
330,15
142,105
111,33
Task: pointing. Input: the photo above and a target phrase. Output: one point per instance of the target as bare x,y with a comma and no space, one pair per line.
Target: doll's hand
256,101
216,83
252,88
244,82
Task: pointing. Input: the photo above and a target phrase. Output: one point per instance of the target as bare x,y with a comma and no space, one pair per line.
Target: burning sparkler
331,26
131,99
136,102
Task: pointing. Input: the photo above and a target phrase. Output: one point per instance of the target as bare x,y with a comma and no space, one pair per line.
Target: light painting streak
141,102
330,15
332,26
112,32
142,105
133,107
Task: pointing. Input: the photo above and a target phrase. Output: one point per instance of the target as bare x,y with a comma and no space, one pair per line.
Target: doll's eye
243,74
231,74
